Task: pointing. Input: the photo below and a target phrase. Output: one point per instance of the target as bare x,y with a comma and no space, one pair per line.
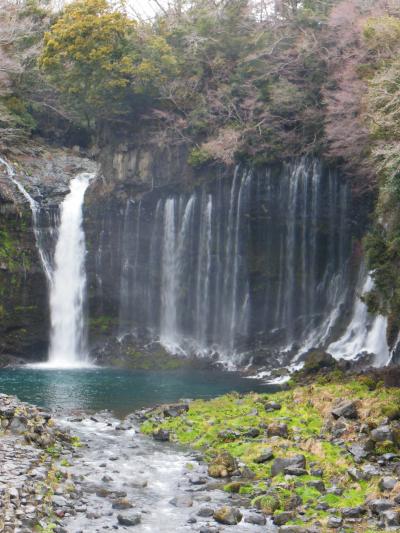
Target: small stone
161,435
387,483
317,484
229,516
294,471
277,429
122,503
334,522
182,501
129,520
175,410
281,518
252,433
272,406
391,518
205,512
256,519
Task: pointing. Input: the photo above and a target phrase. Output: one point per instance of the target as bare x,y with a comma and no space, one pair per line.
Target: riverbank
31,443
319,457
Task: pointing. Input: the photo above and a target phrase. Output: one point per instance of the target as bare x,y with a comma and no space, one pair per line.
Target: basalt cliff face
242,265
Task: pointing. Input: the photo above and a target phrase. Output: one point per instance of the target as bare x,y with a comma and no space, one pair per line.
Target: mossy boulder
222,466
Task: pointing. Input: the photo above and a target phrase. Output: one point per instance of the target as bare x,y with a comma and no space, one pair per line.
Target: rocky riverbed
316,458
91,473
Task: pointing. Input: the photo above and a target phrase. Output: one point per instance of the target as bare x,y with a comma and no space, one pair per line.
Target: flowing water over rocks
122,478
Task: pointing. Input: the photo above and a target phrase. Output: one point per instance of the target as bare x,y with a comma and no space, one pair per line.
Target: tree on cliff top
105,64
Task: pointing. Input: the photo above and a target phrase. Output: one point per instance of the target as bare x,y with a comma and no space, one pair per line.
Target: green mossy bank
340,439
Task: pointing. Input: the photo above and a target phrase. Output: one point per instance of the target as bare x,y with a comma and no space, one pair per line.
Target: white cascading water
67,291
364,334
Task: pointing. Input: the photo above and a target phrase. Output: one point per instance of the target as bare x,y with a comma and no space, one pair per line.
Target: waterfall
67,291
365,333
35,209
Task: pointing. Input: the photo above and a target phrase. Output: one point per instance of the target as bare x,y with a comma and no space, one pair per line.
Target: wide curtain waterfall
260,259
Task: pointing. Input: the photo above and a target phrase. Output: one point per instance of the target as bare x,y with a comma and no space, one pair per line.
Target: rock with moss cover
282,463
277,429
222,466
229,516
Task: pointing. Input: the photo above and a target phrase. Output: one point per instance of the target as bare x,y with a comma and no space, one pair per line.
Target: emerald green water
121,391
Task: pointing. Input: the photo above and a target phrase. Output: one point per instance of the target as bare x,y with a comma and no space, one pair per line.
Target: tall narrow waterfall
67,291
257,264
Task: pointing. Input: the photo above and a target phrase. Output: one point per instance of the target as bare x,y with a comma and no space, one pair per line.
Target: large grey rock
379,505
256,519
281,463
334,522
353,512
347,409
129,520
382,434
264,456
359,452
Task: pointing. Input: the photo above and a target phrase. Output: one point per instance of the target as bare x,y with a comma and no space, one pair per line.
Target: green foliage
102,61
198,157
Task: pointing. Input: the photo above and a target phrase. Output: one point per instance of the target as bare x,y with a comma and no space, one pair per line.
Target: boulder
379,505
226,515
387,483
382,434
353,512
272,406
256,519
129,520
222,466
347,409
281,463
282,518
175,410
161,435
317,360
264,456
319,485
205,512
359,452
252,433
334,522
277,429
